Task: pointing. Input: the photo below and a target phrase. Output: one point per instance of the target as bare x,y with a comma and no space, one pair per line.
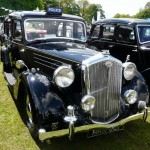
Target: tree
83,4
92,11
89,11
147,6
122,16
70,7
20,5
144,13
51,3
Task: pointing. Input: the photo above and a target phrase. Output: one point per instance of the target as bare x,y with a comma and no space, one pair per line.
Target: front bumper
48,135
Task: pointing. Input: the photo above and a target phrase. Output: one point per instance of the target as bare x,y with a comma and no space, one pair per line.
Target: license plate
97,132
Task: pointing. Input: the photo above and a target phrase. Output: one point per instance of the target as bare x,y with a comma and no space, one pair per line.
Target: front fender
48,105
139,85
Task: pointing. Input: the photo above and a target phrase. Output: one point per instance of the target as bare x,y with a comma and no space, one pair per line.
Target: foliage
20,5
51,3
70,7
89,11
144,13
122,16
80,8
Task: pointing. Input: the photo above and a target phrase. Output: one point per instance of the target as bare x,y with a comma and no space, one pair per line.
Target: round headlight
129,70
131,96
88,103
63,76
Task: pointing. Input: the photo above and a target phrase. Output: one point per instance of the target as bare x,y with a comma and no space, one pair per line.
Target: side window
96,31
69,29
108,32
17,30
125,34
8,27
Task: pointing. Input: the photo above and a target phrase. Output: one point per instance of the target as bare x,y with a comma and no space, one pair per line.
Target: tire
6,67
28,117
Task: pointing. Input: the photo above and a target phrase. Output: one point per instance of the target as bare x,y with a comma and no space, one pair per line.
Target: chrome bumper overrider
71,130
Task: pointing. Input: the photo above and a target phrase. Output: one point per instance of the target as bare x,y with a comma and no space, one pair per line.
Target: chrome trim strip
96,58
48,135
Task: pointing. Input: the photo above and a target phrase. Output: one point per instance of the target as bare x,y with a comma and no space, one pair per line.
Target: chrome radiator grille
103,81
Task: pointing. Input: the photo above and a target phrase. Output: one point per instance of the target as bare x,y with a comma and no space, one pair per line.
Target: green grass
15,136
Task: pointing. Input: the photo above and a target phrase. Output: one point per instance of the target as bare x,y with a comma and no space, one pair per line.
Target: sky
111,7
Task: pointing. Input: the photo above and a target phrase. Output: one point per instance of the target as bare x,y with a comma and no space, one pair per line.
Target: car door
94,37
102,36
16,44
125,44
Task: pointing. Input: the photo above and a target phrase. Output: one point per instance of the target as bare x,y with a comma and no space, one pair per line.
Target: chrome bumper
48,135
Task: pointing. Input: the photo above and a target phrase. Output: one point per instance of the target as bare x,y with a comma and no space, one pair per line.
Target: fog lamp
131,96
88,103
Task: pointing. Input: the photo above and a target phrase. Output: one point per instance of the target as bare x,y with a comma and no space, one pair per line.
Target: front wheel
29,118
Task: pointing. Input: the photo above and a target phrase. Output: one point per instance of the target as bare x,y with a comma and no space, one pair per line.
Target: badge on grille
108,64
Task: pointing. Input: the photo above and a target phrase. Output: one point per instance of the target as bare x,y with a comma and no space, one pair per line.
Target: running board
9,78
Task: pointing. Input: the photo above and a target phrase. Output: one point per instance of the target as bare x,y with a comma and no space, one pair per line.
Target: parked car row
63,86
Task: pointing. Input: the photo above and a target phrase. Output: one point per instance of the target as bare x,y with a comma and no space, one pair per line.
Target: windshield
144,33
54,28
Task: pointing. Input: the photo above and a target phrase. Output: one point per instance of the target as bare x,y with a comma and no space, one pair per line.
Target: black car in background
125,39
62,86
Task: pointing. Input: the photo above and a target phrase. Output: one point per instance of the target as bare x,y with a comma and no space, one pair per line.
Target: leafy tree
51,3
147,6
70,7
20,5
83,4
122,16
102,12
89,11
143,14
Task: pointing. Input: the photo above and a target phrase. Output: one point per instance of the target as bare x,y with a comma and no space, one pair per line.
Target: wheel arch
40,91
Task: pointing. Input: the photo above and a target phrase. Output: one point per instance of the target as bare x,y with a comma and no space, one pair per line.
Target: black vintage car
124,38
62,86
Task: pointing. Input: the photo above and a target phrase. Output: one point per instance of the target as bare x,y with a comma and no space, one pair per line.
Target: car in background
63,87
125,39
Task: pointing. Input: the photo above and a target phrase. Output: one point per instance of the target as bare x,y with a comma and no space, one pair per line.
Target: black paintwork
139,53
41,59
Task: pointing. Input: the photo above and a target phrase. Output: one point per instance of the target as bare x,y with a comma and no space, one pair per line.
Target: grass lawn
15,136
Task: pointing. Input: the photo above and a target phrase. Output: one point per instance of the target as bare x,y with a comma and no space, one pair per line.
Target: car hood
70,51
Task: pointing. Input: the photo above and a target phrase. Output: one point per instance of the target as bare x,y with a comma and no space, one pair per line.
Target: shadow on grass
135,136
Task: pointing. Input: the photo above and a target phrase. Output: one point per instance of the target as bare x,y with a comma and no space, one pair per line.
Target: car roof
35,14
123,20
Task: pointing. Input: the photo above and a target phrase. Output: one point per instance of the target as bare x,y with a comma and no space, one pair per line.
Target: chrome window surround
139,35
64,20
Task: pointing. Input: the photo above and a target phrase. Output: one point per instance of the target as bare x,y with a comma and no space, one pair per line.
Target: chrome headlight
129,70
131,96
88,103
64,76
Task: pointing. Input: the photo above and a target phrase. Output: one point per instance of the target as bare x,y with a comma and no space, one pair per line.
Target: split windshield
54,28
144,33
